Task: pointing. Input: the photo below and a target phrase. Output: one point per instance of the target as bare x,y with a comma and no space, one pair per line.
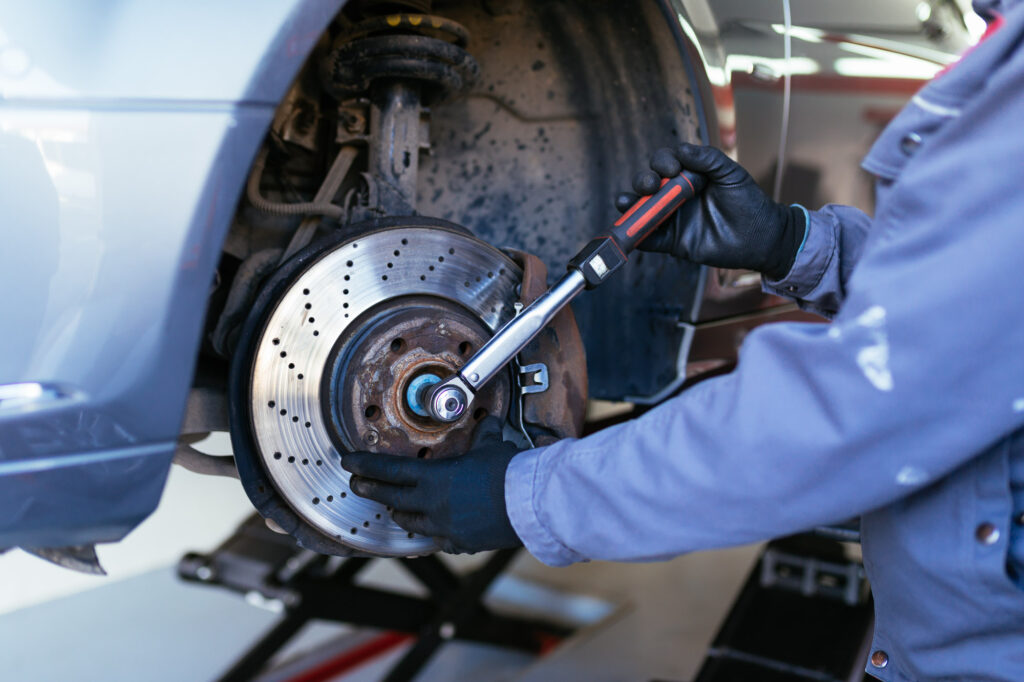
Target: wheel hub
339,352
405,344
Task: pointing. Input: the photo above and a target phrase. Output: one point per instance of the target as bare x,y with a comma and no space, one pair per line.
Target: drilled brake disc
339,349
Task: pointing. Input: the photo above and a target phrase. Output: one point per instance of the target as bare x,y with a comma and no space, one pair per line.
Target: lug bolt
451,405
371,437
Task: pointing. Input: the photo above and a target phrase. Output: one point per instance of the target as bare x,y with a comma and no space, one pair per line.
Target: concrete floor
142,623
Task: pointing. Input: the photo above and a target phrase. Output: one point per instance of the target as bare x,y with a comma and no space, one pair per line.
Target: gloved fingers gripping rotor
459,501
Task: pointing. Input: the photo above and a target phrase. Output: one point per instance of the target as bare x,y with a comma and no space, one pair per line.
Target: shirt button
987,534
910,143
879,659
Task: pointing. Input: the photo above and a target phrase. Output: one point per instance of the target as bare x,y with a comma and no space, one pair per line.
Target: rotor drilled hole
366,524
405,242
284,354
344,305
490,275
277,455
344,495
306,292
316,333
397,252
384,277
466,283
291,459
276,341
320,463
330,498
345,292
316,500
440,259
284,412
311,320
305,462
355,245
451,252
377,516
291,365
422,454
391,265
349,263
271,403
295,419
299,377
465,347
423,278
354,531
431,268
479,414
397,345
348,277
372,413
308,425
309,306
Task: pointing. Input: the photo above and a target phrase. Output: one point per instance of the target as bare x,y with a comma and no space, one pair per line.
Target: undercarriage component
418,48
81,558
327,359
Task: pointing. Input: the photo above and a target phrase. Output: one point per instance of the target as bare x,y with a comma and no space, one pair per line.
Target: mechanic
907,410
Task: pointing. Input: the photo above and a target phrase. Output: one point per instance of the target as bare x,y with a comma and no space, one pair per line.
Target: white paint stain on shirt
873,359
911,475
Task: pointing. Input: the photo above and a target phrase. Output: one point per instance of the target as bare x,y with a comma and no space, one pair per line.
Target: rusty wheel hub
400,346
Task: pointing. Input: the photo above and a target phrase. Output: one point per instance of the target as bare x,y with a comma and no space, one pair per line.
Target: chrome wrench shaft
449,400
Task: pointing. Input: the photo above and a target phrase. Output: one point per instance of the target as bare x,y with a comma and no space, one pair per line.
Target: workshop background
516,126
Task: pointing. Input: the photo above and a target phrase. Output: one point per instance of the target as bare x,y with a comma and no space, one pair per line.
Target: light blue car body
127,128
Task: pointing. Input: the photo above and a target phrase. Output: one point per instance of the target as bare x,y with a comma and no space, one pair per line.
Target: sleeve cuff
811,261
521,481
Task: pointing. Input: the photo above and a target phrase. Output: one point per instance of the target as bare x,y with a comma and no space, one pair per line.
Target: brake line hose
252,193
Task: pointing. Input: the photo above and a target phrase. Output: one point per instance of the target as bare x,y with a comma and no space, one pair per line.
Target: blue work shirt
908,409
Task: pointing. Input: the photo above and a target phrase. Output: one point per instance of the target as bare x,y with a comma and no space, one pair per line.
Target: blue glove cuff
807,227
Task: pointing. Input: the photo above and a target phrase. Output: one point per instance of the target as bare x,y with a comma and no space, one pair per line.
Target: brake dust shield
334,345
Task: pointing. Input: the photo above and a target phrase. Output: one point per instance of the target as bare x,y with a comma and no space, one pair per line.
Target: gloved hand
459,501
733,225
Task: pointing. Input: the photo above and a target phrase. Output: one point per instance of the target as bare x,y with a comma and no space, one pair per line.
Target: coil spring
419,47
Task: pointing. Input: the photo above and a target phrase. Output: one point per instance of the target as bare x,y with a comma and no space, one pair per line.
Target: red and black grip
606,254
646,215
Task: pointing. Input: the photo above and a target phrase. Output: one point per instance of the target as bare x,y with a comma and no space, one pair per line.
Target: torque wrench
448,400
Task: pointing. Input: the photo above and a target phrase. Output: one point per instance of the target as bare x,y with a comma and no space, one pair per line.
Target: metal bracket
813,577
538,372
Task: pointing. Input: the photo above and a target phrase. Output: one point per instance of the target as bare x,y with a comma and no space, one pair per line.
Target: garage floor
647,620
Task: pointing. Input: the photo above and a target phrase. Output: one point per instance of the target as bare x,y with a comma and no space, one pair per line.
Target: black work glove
733,225
459,501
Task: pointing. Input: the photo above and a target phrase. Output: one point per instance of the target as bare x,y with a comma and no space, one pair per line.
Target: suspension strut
401,63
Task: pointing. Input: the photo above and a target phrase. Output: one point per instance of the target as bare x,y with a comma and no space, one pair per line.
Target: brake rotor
334,361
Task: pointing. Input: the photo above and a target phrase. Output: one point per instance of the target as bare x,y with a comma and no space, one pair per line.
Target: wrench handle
606,254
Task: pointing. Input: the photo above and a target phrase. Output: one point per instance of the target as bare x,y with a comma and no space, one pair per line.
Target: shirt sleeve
921,369
832,246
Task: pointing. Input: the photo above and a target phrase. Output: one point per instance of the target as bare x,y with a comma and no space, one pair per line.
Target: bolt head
371,437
